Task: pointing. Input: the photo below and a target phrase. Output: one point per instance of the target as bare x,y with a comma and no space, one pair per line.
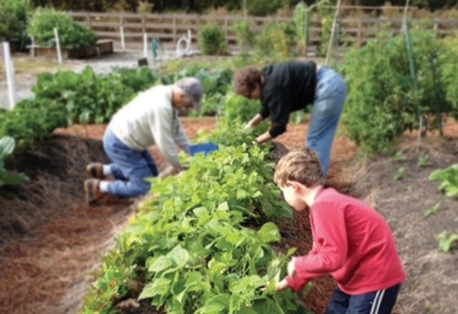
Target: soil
51,242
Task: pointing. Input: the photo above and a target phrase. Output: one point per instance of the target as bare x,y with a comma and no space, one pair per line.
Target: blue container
204,148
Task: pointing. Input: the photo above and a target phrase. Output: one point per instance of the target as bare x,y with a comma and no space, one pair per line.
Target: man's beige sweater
150,119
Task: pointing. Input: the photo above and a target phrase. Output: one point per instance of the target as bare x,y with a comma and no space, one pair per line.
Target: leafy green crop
449,178
239,108
33,119
190,245
447,242
7,145
92,98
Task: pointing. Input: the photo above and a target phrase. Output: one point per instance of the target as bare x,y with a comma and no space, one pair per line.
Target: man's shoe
92,190
95,170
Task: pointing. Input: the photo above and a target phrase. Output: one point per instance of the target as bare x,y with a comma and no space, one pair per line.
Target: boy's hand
292,267
282,285
279,286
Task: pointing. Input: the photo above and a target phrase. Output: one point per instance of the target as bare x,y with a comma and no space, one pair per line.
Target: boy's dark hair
302,166
245,81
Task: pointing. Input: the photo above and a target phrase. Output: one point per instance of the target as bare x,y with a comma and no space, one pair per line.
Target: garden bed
54,246
102,47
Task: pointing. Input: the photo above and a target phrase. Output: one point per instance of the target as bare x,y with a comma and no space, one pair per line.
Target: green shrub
381,103
33,119
263,7
71,34
13,19
88,98
277,39
212,40
245,35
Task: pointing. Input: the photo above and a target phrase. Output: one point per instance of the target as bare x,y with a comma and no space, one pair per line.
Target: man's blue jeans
130,167
330,95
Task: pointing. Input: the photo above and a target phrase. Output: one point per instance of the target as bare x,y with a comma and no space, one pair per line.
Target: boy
351,241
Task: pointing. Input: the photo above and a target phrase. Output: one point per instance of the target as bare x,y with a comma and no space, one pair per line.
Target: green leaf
10,178
269,233
159,286
6,146
179,255
223,207
160,264
241,194
291,251
200,211
452,191
267,306
217,304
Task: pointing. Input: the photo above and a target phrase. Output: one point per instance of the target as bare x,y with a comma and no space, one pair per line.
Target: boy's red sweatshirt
353,243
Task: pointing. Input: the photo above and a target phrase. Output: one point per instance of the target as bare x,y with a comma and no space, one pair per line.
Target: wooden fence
169,28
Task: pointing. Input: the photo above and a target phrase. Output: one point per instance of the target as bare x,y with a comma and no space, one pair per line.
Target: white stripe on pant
377,301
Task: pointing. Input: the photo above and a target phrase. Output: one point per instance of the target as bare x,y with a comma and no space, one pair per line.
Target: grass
33,66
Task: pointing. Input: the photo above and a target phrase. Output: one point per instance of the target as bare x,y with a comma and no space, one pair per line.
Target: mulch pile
49,238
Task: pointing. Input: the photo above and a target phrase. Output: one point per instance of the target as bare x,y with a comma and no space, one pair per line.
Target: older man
150,118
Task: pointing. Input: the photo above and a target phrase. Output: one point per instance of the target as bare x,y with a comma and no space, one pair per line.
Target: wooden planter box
101,48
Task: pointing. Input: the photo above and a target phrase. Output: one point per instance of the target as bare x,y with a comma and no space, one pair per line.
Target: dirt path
47,260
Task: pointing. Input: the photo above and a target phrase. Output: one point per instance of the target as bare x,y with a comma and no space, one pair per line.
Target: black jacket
288,87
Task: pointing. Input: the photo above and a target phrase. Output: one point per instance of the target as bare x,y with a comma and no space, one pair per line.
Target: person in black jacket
290,86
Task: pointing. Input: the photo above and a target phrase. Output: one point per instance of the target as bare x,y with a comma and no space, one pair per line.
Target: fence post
88,19
226,29
360,31
143,23
145,45
9,67
436,28
59,52
121,29
174,23
197,28
32,46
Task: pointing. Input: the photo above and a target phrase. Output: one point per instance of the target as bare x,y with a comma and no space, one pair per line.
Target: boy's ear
296,185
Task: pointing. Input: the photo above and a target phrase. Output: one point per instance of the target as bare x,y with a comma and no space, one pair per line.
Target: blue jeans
330,95
378,302
130,167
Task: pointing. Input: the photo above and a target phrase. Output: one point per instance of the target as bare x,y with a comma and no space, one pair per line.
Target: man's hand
169,171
